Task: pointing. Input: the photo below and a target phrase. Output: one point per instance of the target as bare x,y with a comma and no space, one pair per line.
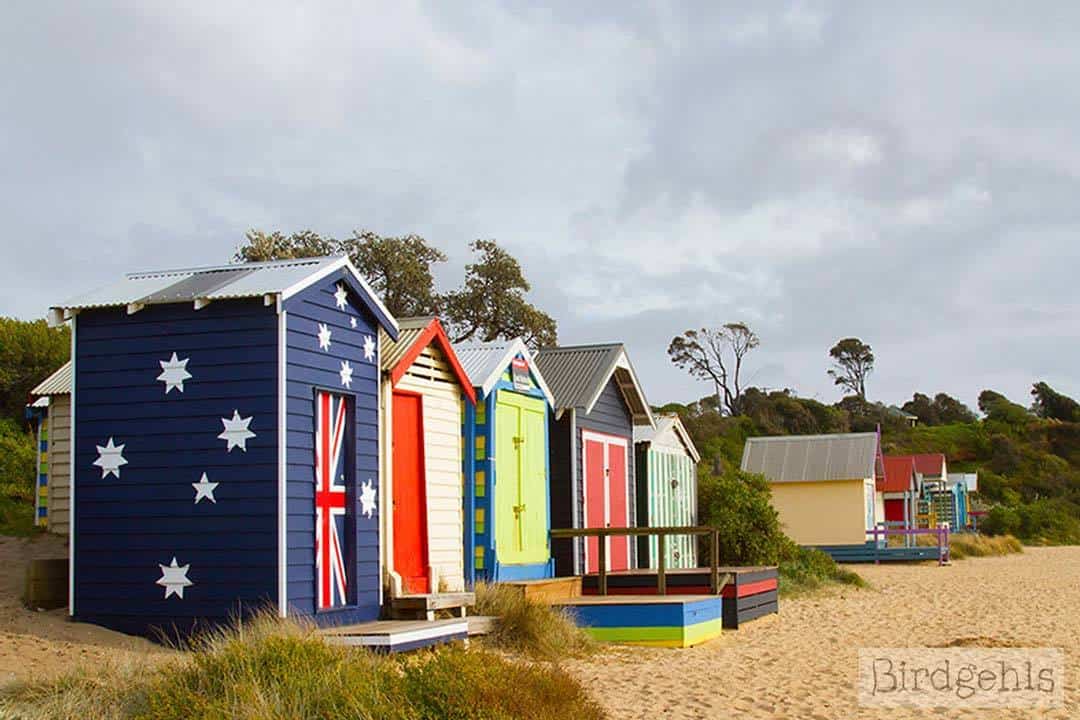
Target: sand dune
803,663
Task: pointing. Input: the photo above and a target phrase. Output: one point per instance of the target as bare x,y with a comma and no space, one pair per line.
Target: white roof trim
341,262
515,346
622,361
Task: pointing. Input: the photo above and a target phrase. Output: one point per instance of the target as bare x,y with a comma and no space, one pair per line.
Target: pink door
606,498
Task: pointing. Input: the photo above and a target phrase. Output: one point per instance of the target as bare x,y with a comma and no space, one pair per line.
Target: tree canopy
491,304
1053,405
942,410
716,355
29,352
853,361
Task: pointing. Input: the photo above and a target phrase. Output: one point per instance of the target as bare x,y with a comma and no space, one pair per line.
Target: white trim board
283,467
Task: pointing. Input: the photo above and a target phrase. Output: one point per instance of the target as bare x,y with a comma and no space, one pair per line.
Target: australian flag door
334,481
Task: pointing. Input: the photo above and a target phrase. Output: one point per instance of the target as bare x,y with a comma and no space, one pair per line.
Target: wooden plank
548,590
435,601
481,624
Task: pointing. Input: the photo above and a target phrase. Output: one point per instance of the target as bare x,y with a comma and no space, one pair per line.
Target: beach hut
424,392
666,462
50,412
598,402
900,489
225,445
507,478
823,486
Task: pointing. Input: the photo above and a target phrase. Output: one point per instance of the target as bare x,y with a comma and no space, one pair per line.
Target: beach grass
806,570
270,669
970,545
528,627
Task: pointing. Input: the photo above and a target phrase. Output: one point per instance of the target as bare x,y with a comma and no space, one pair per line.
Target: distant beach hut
225,445
51,413
823,486
424,394
900,488
507,513
666,462
598,402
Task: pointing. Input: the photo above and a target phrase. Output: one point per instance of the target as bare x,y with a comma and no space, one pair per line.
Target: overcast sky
908,174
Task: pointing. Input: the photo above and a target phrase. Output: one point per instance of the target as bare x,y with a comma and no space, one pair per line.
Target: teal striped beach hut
666,463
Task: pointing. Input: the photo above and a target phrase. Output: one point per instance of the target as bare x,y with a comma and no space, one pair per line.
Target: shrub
739,505
968,545
268,669
529,627
17,457
805,569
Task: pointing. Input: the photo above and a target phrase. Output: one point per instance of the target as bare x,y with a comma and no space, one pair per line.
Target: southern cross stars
236,432
352,323
110,458
367,499
324,337
340,295
346,373
369,348
174,579
174,373
204,489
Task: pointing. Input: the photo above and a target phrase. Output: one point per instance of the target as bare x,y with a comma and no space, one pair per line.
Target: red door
410,503
604,461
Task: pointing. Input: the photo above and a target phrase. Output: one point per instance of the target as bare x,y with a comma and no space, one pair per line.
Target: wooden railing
941,532
661,533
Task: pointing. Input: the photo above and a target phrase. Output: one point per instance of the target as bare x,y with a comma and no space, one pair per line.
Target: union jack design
331,415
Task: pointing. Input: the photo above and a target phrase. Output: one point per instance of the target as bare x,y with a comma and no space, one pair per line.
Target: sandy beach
802,663
798,664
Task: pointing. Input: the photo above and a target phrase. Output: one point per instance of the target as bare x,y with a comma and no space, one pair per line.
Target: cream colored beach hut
53,501
422,404
823,486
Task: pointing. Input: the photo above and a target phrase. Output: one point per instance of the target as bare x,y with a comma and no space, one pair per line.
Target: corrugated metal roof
801,458
484,363
59,383
409,329
578,374
665,423
221,282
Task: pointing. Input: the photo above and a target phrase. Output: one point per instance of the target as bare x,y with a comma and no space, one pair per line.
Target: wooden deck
869,554
398,635
548,590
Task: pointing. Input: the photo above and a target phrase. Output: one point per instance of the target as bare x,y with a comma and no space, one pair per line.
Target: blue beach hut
225,445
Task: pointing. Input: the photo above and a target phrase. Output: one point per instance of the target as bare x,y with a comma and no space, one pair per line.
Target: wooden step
425,606
548,590
398,635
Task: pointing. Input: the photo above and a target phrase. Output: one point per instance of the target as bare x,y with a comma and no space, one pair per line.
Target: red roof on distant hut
898,474
929,463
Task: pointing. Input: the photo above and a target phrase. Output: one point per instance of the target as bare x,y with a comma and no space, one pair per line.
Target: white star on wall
324,336
369,348
346,374
110,458
352,323
236,432
174,579
204,489
339,296
174,373
367,499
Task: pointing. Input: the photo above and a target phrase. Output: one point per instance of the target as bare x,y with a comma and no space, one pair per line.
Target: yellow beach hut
823,486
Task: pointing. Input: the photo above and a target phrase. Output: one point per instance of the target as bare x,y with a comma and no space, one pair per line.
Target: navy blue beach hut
225,446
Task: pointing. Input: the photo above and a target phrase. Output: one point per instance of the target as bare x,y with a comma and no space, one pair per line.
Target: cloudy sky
909,174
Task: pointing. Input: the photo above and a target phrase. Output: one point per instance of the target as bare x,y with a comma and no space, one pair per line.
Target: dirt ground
802,663
34,643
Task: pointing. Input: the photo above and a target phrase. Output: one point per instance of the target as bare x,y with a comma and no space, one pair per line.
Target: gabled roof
928,463
415,334
59,383
201,285
899,474
667,423
802,458
485,363
578,375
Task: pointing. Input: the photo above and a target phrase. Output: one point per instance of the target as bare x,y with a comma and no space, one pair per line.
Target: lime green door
521,515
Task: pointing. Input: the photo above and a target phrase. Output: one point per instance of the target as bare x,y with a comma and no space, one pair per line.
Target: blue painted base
868,553
512,573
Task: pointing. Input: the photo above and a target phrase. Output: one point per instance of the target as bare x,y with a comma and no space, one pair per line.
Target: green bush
17,459
269,669
803,570
739,505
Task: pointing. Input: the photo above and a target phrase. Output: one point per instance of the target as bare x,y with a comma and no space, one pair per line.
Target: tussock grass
268,669
529,627
806,570
969,545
